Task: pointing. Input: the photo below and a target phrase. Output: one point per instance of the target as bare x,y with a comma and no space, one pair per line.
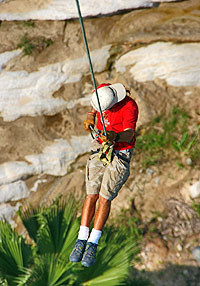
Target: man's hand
124,136
90,120
111,136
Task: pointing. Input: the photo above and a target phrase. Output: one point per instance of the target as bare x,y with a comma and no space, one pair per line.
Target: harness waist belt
117,154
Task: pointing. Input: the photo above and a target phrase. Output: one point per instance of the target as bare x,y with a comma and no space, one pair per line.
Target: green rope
90,63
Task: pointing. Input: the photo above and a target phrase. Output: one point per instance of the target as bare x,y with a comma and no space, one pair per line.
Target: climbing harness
106,152
90,63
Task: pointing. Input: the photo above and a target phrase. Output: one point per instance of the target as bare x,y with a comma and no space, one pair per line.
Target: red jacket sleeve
130,115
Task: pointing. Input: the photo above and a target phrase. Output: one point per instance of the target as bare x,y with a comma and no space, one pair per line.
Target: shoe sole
74,259
86,264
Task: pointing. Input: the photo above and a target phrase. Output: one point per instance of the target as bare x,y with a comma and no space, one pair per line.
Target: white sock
83,232
95,236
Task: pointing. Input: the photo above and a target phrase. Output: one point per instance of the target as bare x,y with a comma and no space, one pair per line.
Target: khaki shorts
103,179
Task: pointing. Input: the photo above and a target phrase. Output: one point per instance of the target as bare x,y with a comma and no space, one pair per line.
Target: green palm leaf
28,216
55,224
54,230
52,271
70,239
23,279
15,254
114,272
3,282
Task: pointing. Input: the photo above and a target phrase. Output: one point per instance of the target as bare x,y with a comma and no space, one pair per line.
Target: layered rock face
62,10
152,47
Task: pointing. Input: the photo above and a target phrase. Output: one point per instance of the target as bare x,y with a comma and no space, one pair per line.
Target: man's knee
92,198
104,201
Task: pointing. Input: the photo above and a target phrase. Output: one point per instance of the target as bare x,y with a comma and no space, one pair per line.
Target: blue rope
90,63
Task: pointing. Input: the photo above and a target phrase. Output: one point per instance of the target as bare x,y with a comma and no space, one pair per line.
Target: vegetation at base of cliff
53,231
166,134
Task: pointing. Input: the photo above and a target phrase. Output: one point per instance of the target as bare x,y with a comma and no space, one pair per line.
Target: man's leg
87,215
88,209
114,176
102,213
101,217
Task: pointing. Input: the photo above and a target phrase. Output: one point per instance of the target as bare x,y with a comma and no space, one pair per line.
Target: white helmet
109,95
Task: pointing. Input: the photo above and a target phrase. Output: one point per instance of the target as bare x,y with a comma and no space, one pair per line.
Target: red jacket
121,116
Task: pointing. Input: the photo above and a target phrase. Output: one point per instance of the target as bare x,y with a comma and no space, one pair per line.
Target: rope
90,63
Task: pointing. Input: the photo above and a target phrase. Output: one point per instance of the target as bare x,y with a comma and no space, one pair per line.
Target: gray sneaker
89,256
78,250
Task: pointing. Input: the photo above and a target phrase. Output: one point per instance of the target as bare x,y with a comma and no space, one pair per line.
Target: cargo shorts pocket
94,174
116,174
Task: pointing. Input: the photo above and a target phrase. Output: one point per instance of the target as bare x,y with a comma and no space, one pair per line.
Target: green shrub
45,261
168,134
37,44
27,45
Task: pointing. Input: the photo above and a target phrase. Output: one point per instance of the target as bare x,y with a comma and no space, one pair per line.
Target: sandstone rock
14,171
195,190
57,157
196,253
13,192
7,56
36,184
25,93
7,212
165,61
189,161
61,9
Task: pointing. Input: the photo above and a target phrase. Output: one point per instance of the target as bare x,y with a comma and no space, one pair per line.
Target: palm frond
28,216
51,270
54,230
3,282
15,254
23,278
55,223
111,271
71,236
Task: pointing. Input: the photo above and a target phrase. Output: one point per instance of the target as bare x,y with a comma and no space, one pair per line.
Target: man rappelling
108,164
